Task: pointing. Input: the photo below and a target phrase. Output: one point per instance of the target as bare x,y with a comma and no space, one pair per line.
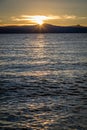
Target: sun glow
34,19
39,19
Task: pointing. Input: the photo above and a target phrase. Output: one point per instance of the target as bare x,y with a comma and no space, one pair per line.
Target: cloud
73,17
32,18
0,21
69,17
82,17
13,18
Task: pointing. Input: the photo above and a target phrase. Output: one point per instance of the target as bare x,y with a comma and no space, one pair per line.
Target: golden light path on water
43,81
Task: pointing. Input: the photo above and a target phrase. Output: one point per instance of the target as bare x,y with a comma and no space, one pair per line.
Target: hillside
46,28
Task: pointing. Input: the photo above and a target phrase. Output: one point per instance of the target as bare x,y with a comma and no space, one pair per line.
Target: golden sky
56,12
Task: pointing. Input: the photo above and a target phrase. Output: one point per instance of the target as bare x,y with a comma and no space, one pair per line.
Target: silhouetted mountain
46,28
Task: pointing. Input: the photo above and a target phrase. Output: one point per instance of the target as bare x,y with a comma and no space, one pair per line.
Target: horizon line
20,25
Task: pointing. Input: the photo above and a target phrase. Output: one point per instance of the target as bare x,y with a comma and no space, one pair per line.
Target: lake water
43,81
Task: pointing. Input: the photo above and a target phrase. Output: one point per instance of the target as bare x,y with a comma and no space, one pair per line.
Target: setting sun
39,19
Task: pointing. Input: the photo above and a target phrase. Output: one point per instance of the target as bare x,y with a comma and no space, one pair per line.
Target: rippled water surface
43,81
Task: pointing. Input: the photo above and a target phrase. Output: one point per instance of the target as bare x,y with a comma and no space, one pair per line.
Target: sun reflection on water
43,81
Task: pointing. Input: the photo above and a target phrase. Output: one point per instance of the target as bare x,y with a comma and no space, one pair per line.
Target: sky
56,12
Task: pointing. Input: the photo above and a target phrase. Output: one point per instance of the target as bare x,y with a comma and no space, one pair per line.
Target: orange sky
57,12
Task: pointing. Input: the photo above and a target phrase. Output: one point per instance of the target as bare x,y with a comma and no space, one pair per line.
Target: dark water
43,81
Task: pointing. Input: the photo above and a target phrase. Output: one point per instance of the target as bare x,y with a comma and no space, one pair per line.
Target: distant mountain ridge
45,28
